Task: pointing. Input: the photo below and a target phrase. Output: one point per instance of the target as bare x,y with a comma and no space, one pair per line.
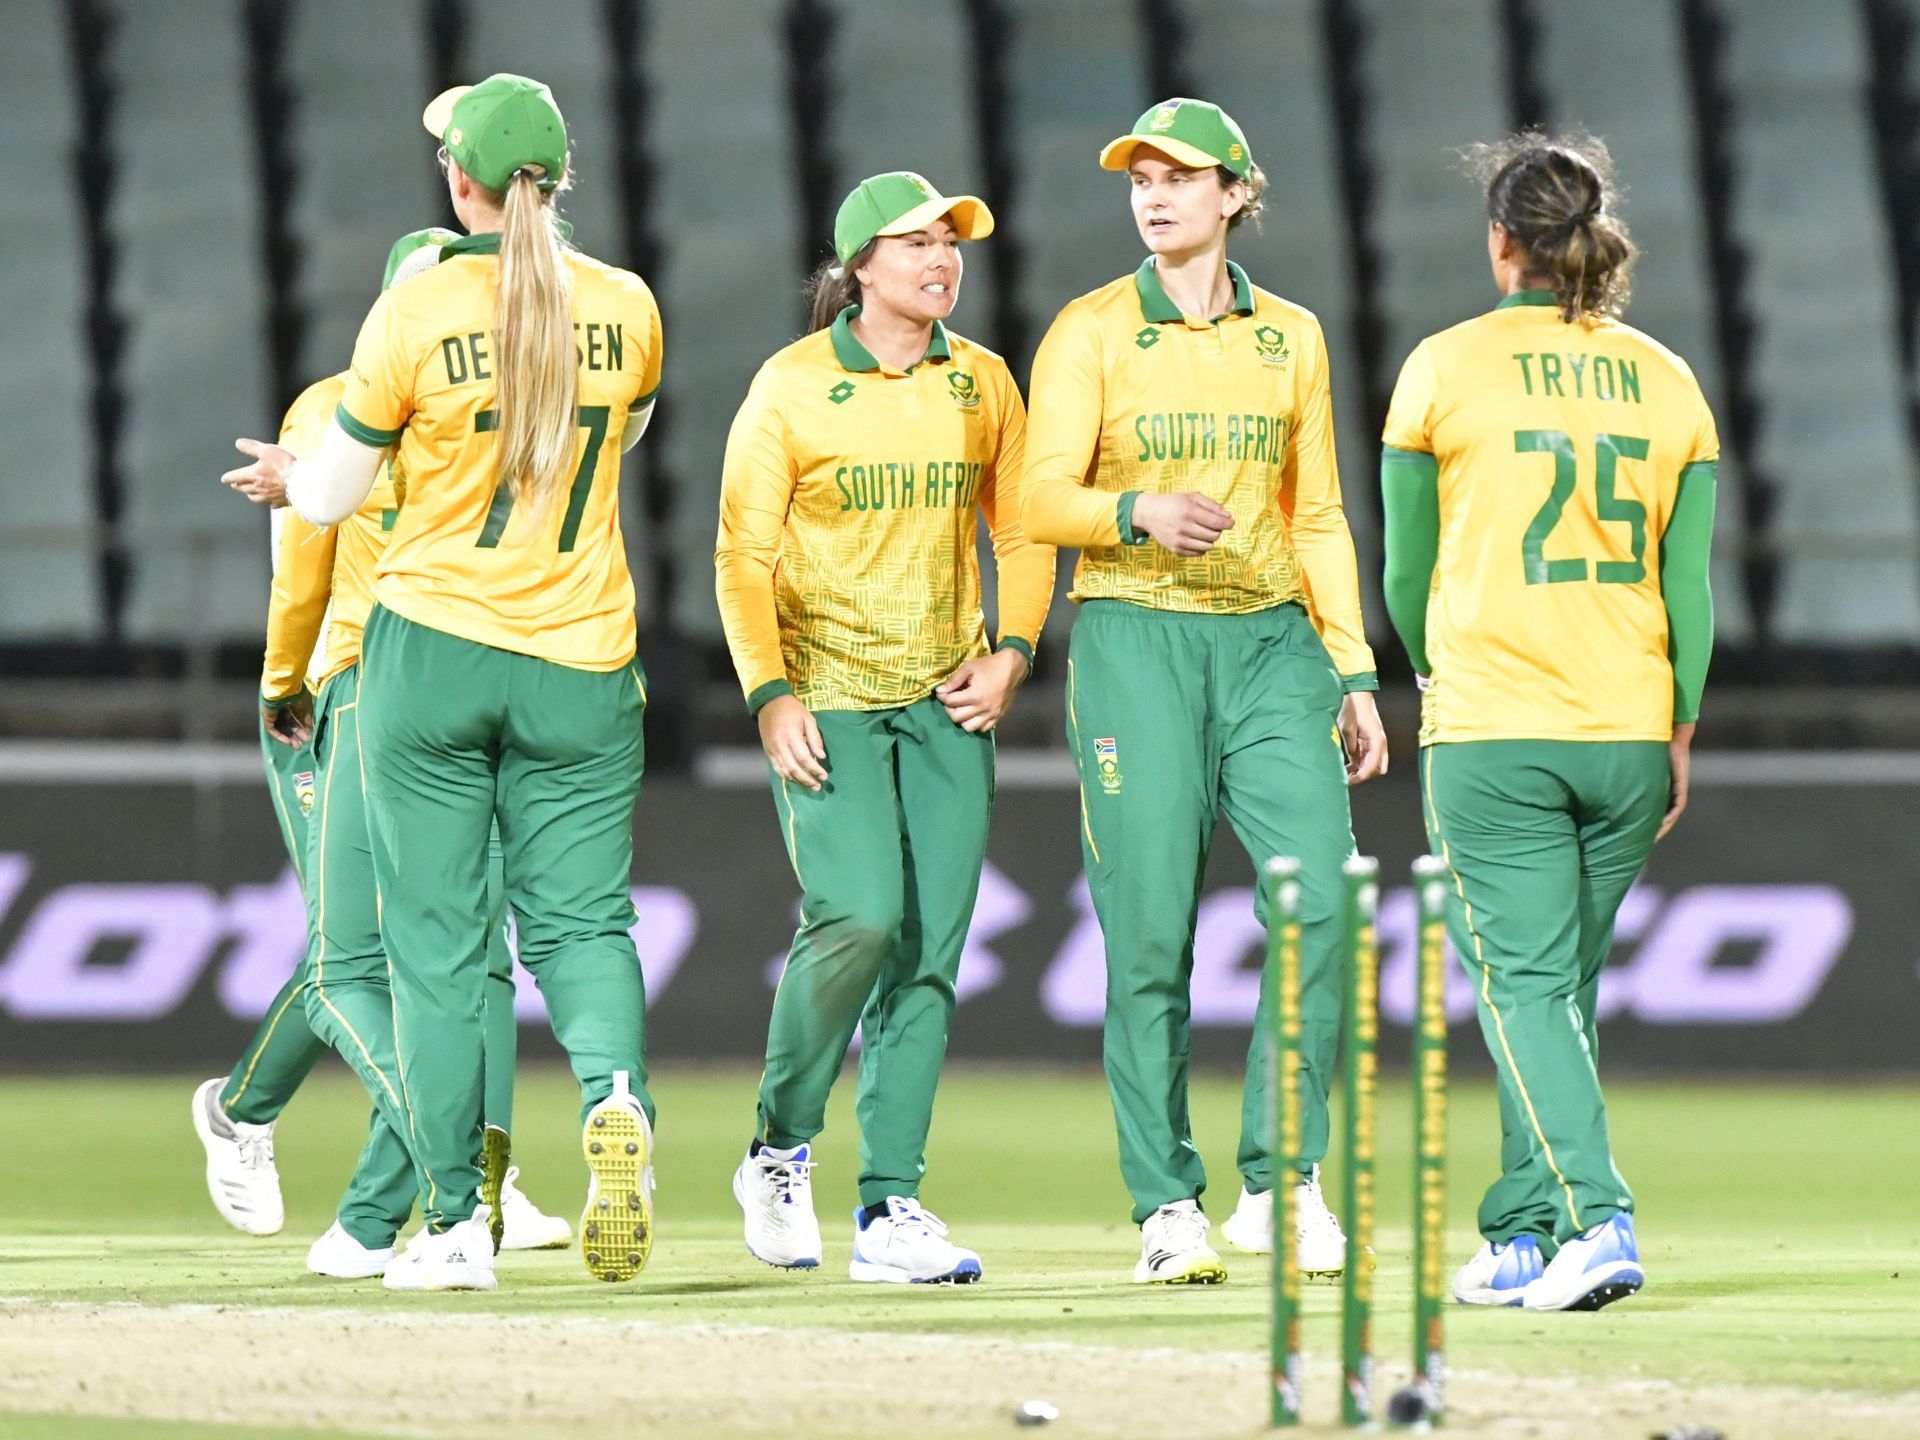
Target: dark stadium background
200,193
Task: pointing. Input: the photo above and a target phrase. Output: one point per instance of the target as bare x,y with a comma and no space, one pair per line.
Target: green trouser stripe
455,733
1174,719
888,856
1543,839
283,1048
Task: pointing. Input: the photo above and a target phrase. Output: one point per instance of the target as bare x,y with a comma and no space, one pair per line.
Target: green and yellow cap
414,252
899,203
499,125
1192,132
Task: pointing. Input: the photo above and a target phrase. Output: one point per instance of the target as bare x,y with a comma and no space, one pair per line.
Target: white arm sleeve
336,481
636,426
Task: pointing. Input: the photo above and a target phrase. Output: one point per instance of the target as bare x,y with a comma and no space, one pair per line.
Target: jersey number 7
593,419
1608,451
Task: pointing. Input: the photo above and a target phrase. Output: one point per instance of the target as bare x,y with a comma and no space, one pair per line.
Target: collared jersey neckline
1157,307
487,242
1526,297
855,357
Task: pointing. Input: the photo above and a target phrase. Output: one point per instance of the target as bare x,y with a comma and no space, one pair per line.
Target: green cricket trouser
888,856
1543,838
349,998
457,735
1172,719
283,1048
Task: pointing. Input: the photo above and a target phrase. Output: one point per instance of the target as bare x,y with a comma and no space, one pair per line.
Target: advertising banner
148,916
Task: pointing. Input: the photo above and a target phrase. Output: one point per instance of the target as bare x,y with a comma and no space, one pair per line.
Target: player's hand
291,721
265,481
1364,737
979,694
791,737
1680,756
1187,523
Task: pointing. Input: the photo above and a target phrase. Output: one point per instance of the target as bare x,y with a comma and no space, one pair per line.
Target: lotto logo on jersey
303,790
1106,762
1272,345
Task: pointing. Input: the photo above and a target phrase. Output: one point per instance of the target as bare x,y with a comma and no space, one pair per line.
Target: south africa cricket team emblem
1106,761
1271,342
303,790
966,393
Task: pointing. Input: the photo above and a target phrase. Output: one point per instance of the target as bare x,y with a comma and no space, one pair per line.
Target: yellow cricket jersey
464,557
1131,396
1559,448
850,504
322,574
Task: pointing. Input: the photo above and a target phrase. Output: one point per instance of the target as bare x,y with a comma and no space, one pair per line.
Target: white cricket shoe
775,1191
1499,1274
1595,1268
459,1258
338,1254
1174,1249
616,1229
241,1178
908,1246
1322,1244
528,1227
1250,1227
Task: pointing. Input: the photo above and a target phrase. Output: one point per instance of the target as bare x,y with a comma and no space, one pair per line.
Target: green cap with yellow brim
501,125
414,252
1189,132
899,203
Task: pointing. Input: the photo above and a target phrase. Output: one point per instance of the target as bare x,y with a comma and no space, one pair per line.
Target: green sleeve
1410,487
1684,586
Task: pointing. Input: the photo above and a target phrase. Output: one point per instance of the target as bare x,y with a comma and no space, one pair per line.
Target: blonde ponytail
536,370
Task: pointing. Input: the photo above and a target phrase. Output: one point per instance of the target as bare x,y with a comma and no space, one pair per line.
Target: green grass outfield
1778,1224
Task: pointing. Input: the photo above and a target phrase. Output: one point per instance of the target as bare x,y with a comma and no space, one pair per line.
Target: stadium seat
1827,369
48,575
1074,220
187,216
1619,74
1266,65
1429,223
564,43
730,281
903,99
366,170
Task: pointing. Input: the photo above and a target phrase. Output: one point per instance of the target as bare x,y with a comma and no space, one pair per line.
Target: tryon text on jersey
470,356
1568,376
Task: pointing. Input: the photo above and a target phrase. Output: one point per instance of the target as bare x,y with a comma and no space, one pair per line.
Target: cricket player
1549,479
322,591
499,679
857,474
1182,436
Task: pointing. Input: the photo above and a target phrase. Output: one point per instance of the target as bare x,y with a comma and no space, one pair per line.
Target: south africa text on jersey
1197,435
908,484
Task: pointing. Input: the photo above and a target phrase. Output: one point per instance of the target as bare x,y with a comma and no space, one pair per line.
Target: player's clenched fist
1187,524
791,738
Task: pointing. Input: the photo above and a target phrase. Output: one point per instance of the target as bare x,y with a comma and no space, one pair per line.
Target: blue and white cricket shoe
775,1191
1595,1268
1499,1274
908,1246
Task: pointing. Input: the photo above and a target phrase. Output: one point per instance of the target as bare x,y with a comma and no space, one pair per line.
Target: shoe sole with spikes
616,1232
